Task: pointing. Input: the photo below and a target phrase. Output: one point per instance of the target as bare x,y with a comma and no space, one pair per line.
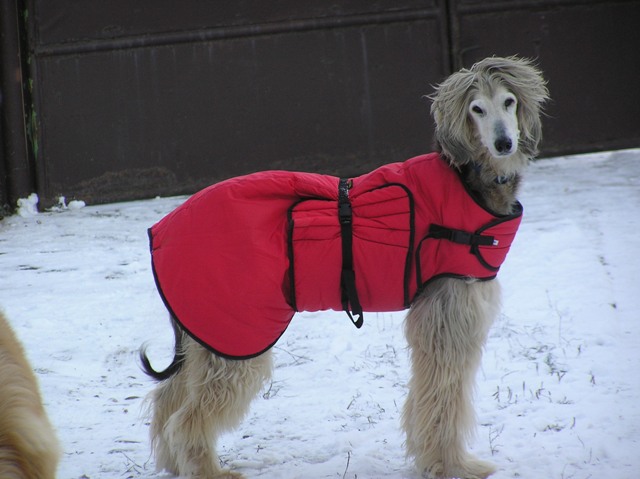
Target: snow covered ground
558,394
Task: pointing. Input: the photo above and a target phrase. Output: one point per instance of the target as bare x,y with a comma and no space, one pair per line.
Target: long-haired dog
487,128
28,445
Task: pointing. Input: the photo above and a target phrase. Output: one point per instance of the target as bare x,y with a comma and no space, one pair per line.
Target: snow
28,206
73,204
557,393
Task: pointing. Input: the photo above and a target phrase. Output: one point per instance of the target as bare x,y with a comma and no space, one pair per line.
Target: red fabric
222,259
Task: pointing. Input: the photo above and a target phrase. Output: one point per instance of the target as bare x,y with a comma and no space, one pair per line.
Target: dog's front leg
446,329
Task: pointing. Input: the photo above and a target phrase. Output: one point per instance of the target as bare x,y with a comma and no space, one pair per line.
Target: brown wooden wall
132,99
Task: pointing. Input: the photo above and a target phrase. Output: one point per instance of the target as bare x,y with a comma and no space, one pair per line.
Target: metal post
15,158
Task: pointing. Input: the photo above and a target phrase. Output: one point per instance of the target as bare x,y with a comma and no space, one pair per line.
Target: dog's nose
503,145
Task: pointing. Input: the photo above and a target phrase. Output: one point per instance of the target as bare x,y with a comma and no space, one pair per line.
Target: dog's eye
477,109
509,102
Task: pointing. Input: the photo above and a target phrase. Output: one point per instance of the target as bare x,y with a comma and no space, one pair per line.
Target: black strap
460,236
349,293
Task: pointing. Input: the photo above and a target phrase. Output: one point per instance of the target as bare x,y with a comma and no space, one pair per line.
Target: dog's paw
472,468
469,468
228,475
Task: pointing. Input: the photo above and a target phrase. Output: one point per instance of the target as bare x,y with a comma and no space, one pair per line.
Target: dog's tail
175,365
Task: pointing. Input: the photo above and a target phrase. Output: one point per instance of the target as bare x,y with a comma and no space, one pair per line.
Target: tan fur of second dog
29,448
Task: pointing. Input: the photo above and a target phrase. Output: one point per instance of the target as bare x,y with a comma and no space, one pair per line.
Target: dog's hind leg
207,396
446,329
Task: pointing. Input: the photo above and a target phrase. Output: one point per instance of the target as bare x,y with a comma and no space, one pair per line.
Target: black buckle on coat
460,236
344,213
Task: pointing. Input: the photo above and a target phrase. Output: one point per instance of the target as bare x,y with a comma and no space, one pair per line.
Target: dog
29,448
488,127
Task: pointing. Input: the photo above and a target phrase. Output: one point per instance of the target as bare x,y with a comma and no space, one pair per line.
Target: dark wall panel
166,119
80,21
157,97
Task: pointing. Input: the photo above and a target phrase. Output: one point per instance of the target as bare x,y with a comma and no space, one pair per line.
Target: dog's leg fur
446,329
207,396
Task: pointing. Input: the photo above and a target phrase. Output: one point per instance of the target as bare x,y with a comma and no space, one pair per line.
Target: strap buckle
460,236
344,213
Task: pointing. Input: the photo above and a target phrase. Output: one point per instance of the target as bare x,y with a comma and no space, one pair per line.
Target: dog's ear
525,81
449,111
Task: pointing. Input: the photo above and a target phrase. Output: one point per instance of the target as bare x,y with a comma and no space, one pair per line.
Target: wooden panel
82,21
159,97
123,123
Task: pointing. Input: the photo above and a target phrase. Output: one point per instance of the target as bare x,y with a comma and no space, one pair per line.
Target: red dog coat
237,259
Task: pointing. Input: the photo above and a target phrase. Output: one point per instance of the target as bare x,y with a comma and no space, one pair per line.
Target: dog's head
491,112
